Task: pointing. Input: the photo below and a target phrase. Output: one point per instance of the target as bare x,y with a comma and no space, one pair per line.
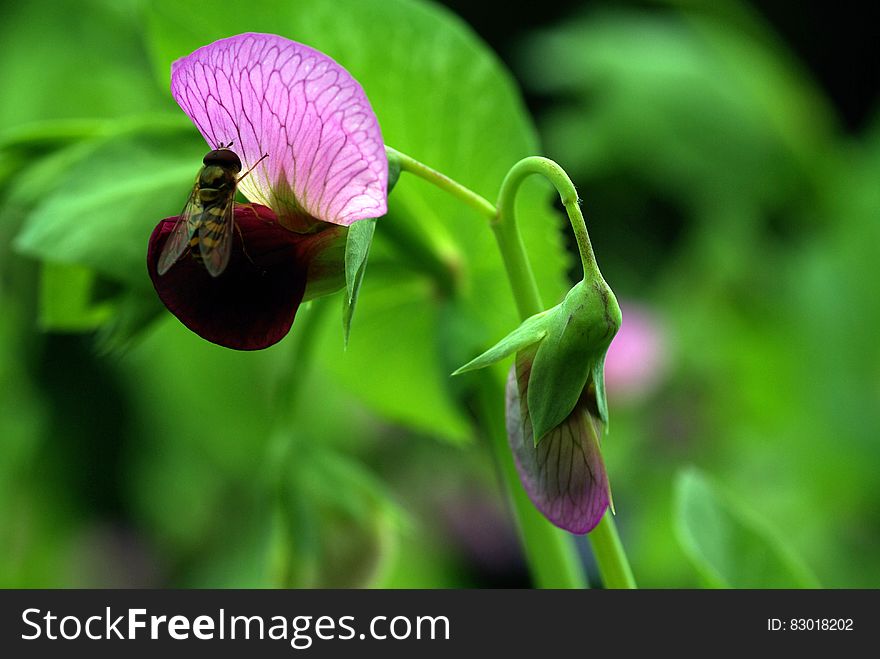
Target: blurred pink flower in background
639,355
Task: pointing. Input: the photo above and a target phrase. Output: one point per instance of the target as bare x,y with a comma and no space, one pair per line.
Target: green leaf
531,331
32,183
66,299
133,312
357,250
71,300
390,364
100,214
84,58
337,524
442,97
728,546
52,133
711,88
22,414
29,146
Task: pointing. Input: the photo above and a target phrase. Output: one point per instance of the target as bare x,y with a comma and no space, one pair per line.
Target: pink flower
636,359
325,168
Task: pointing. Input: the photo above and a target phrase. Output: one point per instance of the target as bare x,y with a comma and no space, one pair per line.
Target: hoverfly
205,224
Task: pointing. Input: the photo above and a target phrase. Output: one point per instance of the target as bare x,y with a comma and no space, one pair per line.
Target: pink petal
564,475
637,359
267,94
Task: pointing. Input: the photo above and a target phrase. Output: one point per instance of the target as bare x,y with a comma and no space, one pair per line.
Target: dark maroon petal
564,475
253,302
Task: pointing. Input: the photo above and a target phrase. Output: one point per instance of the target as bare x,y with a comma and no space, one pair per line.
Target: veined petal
269,95
564,475
252,304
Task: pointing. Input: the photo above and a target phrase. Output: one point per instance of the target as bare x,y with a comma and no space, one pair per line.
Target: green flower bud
572,354
571,341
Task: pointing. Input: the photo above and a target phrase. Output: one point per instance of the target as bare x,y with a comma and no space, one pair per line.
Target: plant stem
505,221
550,552
610,557
457,190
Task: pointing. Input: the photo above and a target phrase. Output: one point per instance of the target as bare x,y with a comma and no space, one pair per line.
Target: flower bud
556,405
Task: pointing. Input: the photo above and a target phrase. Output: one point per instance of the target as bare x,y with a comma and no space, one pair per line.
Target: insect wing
183,231
215,235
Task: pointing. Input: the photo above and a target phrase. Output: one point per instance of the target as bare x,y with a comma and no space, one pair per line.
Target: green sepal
579,333
393,171
599,383
532,330
357,250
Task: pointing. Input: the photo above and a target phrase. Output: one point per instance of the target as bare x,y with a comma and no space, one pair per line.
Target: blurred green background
731,182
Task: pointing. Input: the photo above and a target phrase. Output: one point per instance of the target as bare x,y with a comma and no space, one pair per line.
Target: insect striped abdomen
204,228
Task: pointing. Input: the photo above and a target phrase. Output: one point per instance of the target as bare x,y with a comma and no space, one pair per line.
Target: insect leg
243,249
265,155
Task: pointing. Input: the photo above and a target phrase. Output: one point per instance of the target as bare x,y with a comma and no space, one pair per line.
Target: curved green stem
457,190
505,221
